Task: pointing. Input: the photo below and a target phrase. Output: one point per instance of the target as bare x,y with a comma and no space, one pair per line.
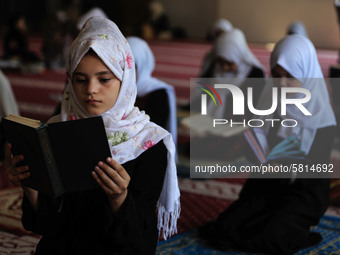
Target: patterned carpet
189,242
13,238
203,200
12,244
10,214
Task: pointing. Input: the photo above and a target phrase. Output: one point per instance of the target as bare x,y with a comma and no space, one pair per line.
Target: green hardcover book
60,155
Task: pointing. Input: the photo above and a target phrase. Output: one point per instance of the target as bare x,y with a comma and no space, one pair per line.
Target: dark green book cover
60,155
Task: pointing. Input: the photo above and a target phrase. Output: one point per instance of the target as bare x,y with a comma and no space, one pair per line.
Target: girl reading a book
235,61
220,27
275,215
139,180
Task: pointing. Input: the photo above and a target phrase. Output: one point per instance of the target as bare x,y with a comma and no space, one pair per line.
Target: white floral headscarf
145,62
129,130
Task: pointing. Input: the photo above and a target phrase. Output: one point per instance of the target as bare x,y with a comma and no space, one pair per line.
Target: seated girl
275,215
220,27
235,61
120,217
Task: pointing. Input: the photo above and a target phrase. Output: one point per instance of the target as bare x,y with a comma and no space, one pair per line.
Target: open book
60,155
257,140
202,125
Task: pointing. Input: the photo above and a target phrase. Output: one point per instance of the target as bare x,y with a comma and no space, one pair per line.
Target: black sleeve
157,107
134,226
83,222
320,151
256,73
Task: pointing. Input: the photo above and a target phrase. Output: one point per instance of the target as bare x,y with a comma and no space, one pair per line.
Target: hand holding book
14,172
114,180
286,149
110,175
50,151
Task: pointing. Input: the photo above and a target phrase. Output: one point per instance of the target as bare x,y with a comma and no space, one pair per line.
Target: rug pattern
190,243
12,244
10,213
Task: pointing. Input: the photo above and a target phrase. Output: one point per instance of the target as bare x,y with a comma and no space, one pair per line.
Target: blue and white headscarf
297,55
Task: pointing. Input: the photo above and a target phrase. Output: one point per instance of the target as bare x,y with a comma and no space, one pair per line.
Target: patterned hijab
129,130
145,62
297,55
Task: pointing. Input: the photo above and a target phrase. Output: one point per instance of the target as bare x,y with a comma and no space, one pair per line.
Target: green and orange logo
210,91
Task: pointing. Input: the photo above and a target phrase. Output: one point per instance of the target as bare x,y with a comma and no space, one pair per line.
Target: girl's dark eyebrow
99,73
104,72
79,73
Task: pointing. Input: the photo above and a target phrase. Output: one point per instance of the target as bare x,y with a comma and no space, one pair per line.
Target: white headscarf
297,55
223,25
208,60
145,62
94,12
297,27
233,47
124,119
8,103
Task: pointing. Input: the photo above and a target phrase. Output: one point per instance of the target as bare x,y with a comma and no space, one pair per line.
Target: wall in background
195,16
263,21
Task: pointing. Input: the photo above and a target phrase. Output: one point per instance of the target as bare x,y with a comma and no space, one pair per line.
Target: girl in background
154,96
235,61
220,27
275,215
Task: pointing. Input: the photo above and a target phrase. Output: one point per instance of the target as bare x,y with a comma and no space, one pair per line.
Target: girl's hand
114,180
14,174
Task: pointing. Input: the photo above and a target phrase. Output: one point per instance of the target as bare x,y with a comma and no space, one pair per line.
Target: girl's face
226,65
95,86
285,78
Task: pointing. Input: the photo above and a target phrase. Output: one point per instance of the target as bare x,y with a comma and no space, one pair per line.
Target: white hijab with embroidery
297,55
145,62
129,130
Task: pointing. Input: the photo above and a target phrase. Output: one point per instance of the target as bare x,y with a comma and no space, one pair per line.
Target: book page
262,139
24,121
200,125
